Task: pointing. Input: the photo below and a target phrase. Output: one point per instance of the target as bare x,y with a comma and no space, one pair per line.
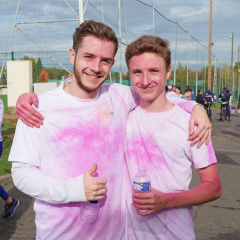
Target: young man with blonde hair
156,139
83,137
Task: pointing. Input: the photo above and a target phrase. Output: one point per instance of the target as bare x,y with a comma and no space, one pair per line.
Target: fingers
34,99
203,139
143,207
28,117
22,118
92,170
191,126
200,128
98,195
209,137
199,137
31,110
148,212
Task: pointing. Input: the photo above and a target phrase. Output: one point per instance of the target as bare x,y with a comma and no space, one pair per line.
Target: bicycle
209,110
224,111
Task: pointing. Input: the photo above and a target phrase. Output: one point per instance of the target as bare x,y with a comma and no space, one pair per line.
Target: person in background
225,97
187,94
10,203
238,107
178,91
199,98
192,95
166,89
174,89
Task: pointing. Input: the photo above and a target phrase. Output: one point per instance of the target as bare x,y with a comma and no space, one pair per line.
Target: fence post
175,56
153,20
228,75
125,25
80,4
102,10
188,57
215,76
205,69
197,70
12,54
233,88
120,45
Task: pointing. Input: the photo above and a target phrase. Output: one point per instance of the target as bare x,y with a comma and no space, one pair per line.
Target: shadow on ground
223,157
230,133
226,236
8,226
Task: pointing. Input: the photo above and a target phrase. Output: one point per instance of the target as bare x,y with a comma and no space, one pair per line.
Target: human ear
169,72
71,55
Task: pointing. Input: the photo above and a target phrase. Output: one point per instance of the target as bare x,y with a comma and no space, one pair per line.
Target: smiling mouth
92,76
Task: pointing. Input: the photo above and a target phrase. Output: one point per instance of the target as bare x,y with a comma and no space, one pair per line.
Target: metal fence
44,29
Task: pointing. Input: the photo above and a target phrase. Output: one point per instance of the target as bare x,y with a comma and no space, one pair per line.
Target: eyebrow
90,54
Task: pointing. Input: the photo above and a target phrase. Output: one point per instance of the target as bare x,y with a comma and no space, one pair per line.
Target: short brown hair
96,29
188,89
151,44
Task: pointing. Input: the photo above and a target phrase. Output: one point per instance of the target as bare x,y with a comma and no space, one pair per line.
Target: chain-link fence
42,32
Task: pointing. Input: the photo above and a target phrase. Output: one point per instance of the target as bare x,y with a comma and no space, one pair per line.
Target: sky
56,38
194,15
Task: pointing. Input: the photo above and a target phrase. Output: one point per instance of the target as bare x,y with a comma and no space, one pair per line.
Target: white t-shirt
158,142
75,134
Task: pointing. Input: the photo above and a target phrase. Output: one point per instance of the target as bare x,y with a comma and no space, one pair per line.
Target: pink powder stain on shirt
86,143
146,153
211,153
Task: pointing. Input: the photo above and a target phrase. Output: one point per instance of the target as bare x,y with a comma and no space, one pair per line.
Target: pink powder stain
85,142
211,153
65,218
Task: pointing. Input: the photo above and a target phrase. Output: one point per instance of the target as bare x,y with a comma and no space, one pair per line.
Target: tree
38,70
33,63
43,76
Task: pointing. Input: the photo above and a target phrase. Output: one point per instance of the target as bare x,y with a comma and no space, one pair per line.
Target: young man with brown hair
84,128
156,139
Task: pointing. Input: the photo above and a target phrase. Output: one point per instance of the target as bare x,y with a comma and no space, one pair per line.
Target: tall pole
175,55
80,3
228,76
153,20
120,36
238,75
232,58
225,74
188,56
125,25
102,11
210,47
205,77
215,76
5,56
197,70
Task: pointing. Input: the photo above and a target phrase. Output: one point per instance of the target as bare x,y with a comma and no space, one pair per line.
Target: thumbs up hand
94,188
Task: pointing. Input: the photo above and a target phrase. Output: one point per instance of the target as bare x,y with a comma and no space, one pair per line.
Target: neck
76,91
160,104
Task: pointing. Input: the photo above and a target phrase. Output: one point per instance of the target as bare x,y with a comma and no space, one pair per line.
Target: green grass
8,127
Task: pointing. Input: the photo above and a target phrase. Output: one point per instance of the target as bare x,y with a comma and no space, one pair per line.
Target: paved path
217,220
220,219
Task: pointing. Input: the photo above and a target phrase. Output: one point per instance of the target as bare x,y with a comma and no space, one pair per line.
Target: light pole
231,37
238,70
210,47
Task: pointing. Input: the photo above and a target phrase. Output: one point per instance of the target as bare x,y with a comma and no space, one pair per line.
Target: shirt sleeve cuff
76,189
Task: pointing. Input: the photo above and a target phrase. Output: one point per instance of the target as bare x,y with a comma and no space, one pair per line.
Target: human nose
145,80
96,68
